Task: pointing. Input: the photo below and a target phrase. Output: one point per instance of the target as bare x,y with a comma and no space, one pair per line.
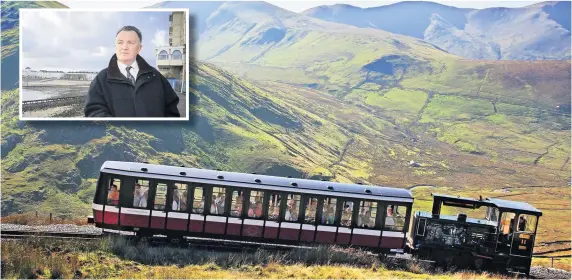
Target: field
117,258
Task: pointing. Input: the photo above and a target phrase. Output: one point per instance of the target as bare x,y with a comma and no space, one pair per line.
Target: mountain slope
445,35
472,125
409,18
536,32
263,42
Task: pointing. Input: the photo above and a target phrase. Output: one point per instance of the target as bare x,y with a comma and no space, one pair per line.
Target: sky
302,5
84,40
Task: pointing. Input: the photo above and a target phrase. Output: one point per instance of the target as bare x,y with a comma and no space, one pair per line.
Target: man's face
127,46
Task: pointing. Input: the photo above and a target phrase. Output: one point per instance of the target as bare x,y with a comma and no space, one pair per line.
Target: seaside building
171,60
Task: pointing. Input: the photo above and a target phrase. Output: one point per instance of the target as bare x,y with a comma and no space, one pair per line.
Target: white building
80,75
45,74
29,73
171,59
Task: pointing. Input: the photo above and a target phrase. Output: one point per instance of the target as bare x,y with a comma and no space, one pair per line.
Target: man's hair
131,28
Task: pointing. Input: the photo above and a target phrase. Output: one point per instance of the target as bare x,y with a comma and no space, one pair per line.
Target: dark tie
129,76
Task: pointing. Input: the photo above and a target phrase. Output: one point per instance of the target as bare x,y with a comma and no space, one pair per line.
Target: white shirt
134,69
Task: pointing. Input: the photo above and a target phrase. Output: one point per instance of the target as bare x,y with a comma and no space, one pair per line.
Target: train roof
375,192
518,205
494,202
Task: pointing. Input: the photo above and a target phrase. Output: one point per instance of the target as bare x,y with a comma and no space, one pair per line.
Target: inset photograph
104,64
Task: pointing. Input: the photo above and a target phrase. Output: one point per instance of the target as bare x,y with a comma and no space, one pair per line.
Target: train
177,201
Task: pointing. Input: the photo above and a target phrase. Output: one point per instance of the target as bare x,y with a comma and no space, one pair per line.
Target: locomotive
151,199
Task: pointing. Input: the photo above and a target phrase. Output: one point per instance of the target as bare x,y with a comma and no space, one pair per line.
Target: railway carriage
174,201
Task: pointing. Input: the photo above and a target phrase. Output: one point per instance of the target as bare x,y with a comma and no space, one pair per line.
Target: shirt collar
123,66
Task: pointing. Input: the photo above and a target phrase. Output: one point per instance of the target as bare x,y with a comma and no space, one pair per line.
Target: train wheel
176,240
479,264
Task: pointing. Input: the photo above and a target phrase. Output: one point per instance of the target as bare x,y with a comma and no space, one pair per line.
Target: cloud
83,39
102,51
160,39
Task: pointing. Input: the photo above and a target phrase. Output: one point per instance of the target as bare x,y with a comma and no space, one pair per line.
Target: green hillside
498,109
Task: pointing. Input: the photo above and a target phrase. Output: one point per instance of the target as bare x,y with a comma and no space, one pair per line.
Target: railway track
19,234
196,243
227,246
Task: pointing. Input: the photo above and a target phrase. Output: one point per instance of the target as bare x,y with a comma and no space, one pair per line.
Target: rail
552,258
51,100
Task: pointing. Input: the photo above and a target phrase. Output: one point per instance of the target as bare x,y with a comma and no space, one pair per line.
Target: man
129,86
389,219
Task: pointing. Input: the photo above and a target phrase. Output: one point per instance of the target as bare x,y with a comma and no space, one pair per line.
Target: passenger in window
144,197
314,206
202,205
137,194
367,221
220,203
214,209
389,219
176,200
521,223
293,215
287,214
275,213
251,210
256,210
329,216
347,216
183,201
113,197
237,206
291,203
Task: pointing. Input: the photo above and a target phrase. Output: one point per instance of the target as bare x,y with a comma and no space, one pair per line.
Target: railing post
50,217
552,258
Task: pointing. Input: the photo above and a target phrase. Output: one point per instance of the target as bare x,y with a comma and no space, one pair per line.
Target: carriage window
506,222
255,204
292,207
179,197
236,204
329,211
347,214
160,197
310,213
141,193
198,201
395,217
526,223
367,212
217,201
274,207
113,191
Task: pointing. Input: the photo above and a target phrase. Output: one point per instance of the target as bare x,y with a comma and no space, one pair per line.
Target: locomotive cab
501,237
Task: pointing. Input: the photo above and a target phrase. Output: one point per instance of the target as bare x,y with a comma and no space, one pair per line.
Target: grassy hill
500,109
